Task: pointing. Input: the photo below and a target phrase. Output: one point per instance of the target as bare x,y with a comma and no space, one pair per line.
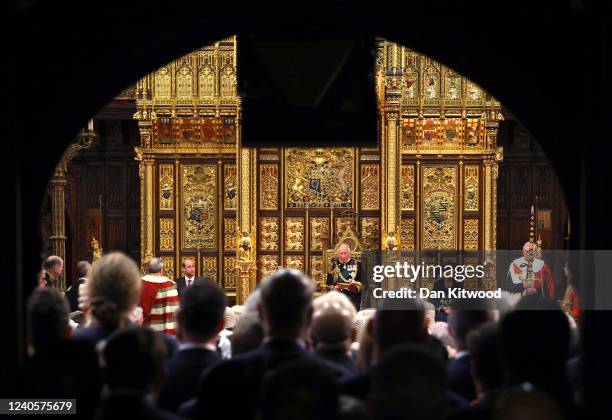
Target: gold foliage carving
229,233
294,233
209,268
268,186
269,264
230,187
317,271
166,234
370,235
319,233
319,178
342,223
168,266
163,86
199,206
370,182
294,261
471,188
268,233
407,181
184,85
470,234
439,219
229,272
407,235
166,187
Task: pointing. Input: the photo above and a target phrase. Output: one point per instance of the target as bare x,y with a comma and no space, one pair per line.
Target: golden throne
348,237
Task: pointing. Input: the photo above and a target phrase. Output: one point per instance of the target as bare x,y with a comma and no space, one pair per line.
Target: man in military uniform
345,275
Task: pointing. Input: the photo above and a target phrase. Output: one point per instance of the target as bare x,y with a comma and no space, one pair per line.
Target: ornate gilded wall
430,182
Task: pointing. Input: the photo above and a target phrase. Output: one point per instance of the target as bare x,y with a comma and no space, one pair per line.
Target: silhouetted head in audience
113,290
394,324
462,320
332,322
82,271
526,403
200,316
47,319
299,390
285,308
485,348
535,345
248,332
133,359
408,382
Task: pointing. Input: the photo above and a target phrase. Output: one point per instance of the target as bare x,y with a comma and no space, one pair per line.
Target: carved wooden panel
439,207
115,234
199,206
519,184
229,187
229,233
370,235
166,187
268,186
133,183
318,273
115,190
407,187
294,261
209,268
229,272
407,234
166,234
319,233
168,267
269,264
294,233
542,182
268,234
471,191
370,183
470,234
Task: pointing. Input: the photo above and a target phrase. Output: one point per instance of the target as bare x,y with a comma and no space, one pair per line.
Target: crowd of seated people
288,354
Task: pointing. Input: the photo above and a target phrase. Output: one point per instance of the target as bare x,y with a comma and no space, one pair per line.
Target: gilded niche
166,234
319,233
166,187
320,178
407,186
229,186
268,233
370,181
199,206
439,219
229,233
407,235
268,186
471,188
229,272
294,233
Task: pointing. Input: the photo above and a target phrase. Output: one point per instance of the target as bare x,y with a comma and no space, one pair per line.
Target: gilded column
58,238
146,209
488,204
392,167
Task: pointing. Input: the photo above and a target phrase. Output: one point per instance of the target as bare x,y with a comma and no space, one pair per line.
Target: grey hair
52,261
156,265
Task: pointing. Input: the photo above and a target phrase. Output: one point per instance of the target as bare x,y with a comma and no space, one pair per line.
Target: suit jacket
338,357
459,377
181,283
243,375
132,405
184,371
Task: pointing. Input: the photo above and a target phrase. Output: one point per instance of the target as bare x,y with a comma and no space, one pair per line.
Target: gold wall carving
407,235
268,233
229,233
168,266
294,261
370,182
229,272
320,178
407,181
199,206
342,223
268,186
294,233
471,188
269,264
229,187
319,233
209,268
370,232
318,274
166,234
470,234
166,187
439,215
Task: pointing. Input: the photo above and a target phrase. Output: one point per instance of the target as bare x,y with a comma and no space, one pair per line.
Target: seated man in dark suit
285,310
188,278
199,319
134,362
